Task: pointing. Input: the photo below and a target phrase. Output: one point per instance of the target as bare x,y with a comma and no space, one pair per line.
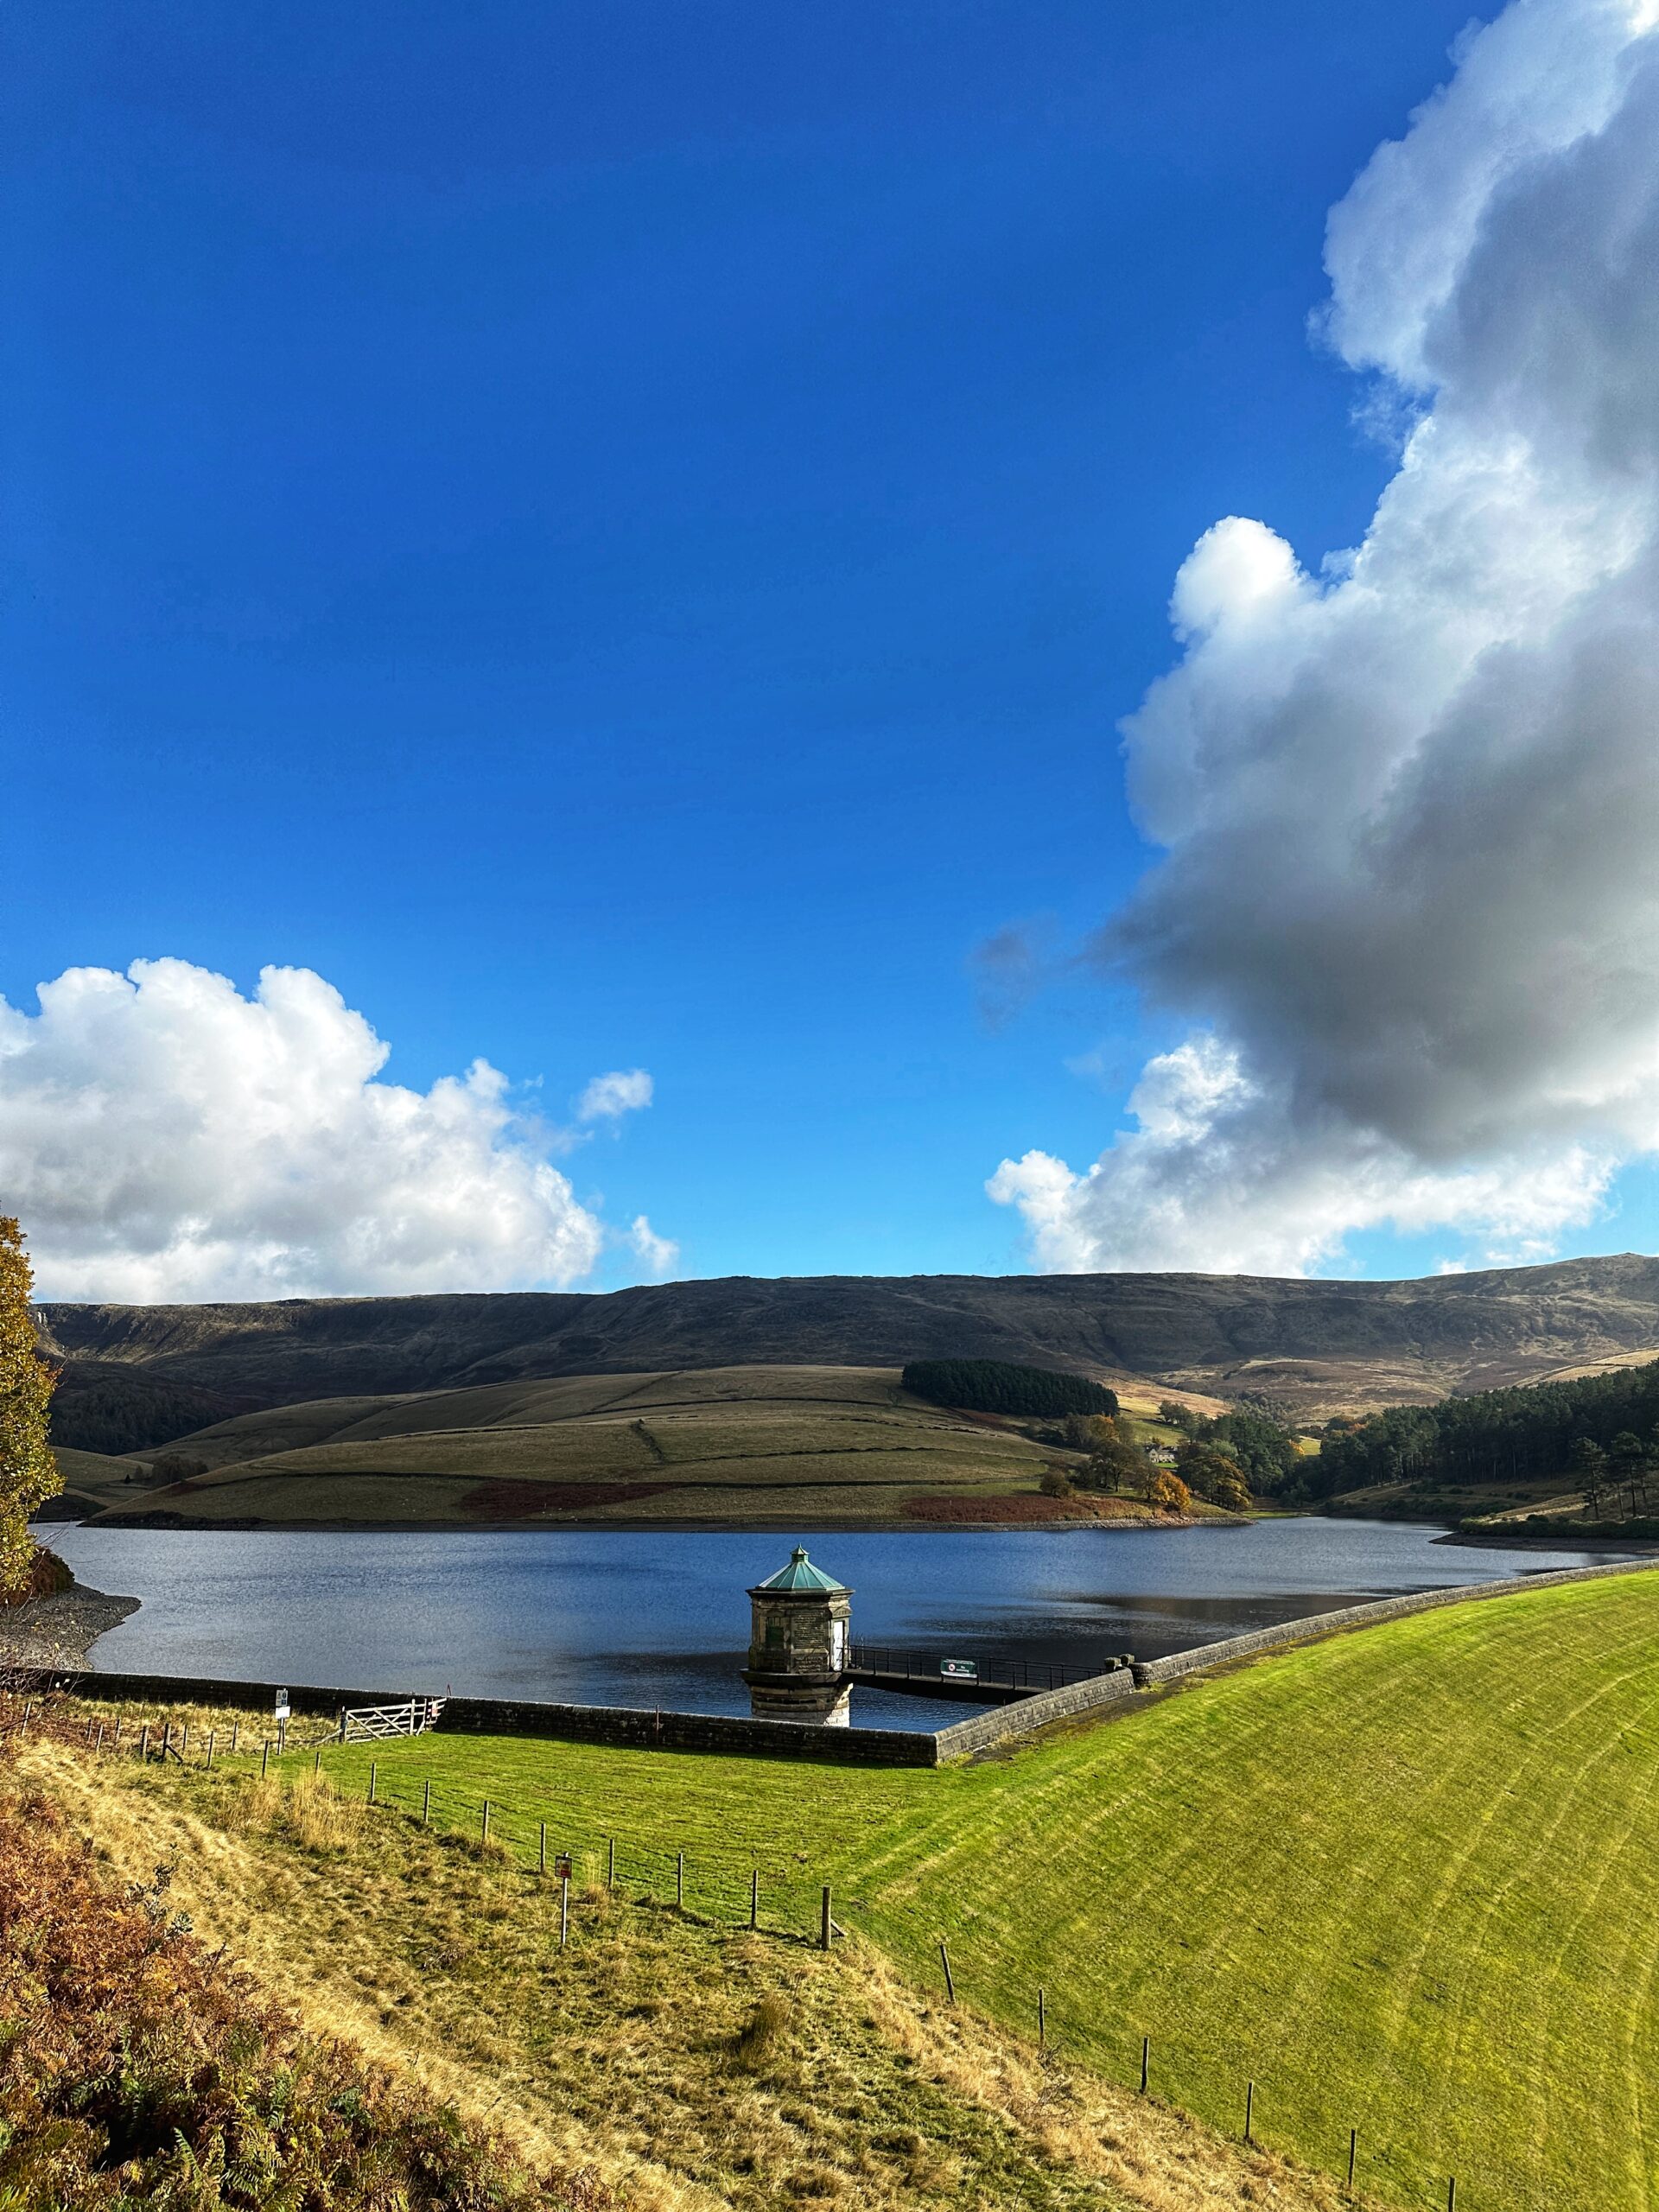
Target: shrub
176,1467
1056,1483
44,1576
1168,1492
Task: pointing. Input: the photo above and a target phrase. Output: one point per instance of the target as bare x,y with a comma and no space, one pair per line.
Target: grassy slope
95,1480
697,2064
801,1445
1402,1880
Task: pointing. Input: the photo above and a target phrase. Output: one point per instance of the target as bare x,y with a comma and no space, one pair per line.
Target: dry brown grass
694,2066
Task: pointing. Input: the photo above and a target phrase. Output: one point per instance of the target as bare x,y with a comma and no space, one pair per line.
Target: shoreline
183,1524
59,1631
1484,1540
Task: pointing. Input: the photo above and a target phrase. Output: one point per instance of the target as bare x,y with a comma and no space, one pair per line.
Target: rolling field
685,2063
741,1446
1400,1879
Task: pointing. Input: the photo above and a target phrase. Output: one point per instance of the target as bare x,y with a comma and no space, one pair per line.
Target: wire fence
776,1892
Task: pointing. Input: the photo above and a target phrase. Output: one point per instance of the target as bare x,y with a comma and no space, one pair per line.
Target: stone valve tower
800,1646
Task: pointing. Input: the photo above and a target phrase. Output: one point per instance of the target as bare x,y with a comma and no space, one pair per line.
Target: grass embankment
1402,1880
768,1446
689,2063
136,2066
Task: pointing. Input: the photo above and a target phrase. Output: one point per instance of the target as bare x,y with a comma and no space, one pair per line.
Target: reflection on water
660,1618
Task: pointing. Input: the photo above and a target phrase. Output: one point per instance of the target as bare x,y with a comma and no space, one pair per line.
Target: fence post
679,1879
373,1779
1353,2152
426,1804
754,1897
484,1833
117,1732
282,1738
212,1736
541,1863
144,1741
167,1740
610,1869
945,1961
1042,2020
316,1764
236,1730
1452,2193
98,1746
1146,2061
265,1756
564,1912
827,1926
1249,2108
29,1706
184,1742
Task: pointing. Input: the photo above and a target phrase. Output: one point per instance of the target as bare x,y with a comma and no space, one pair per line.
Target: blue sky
620,535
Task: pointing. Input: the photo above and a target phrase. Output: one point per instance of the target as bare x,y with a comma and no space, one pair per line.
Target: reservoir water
661,1618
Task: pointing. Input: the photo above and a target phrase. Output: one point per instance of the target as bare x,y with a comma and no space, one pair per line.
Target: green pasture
737,1446
1402,1879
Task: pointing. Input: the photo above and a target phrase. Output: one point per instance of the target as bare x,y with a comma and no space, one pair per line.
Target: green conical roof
801,1575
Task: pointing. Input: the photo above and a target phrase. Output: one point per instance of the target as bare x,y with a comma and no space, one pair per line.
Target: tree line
996,1386
1599,1429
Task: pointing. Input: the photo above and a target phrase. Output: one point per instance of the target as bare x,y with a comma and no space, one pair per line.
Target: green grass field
1402,1879
743,1445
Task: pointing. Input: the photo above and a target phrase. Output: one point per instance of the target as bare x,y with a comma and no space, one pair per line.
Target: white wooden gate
376,1723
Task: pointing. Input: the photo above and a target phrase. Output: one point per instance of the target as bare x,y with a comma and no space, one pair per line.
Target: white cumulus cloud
607,1098
1408,803
164,1137
658,1253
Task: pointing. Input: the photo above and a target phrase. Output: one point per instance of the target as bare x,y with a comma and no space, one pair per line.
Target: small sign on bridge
959,1670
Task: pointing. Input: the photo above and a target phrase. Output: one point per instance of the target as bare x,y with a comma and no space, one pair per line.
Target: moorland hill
138,1375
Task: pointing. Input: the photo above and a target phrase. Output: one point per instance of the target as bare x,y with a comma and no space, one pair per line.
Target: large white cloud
164,1137
1409,804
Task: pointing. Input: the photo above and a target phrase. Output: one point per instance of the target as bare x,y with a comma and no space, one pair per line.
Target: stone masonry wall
1383,1609
643,1729
967,1737
638,1727
962,1736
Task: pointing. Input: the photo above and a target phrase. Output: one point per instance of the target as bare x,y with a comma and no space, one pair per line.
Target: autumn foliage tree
28,1475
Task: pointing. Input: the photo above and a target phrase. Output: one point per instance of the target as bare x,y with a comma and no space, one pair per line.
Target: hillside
1399,1879
1319,1345
664,2061
756,1446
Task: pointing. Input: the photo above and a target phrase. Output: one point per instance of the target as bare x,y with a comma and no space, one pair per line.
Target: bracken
135,2068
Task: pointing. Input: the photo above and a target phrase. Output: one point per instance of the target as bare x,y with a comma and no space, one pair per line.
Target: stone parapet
636,1727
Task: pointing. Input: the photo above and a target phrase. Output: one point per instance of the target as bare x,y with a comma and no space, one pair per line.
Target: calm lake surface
637,1618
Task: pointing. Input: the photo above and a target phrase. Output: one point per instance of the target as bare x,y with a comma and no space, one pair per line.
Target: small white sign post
282,1720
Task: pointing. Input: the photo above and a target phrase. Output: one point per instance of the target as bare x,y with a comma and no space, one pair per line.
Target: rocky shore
59,1630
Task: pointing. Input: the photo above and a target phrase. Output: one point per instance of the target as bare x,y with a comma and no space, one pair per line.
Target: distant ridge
1317,1345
